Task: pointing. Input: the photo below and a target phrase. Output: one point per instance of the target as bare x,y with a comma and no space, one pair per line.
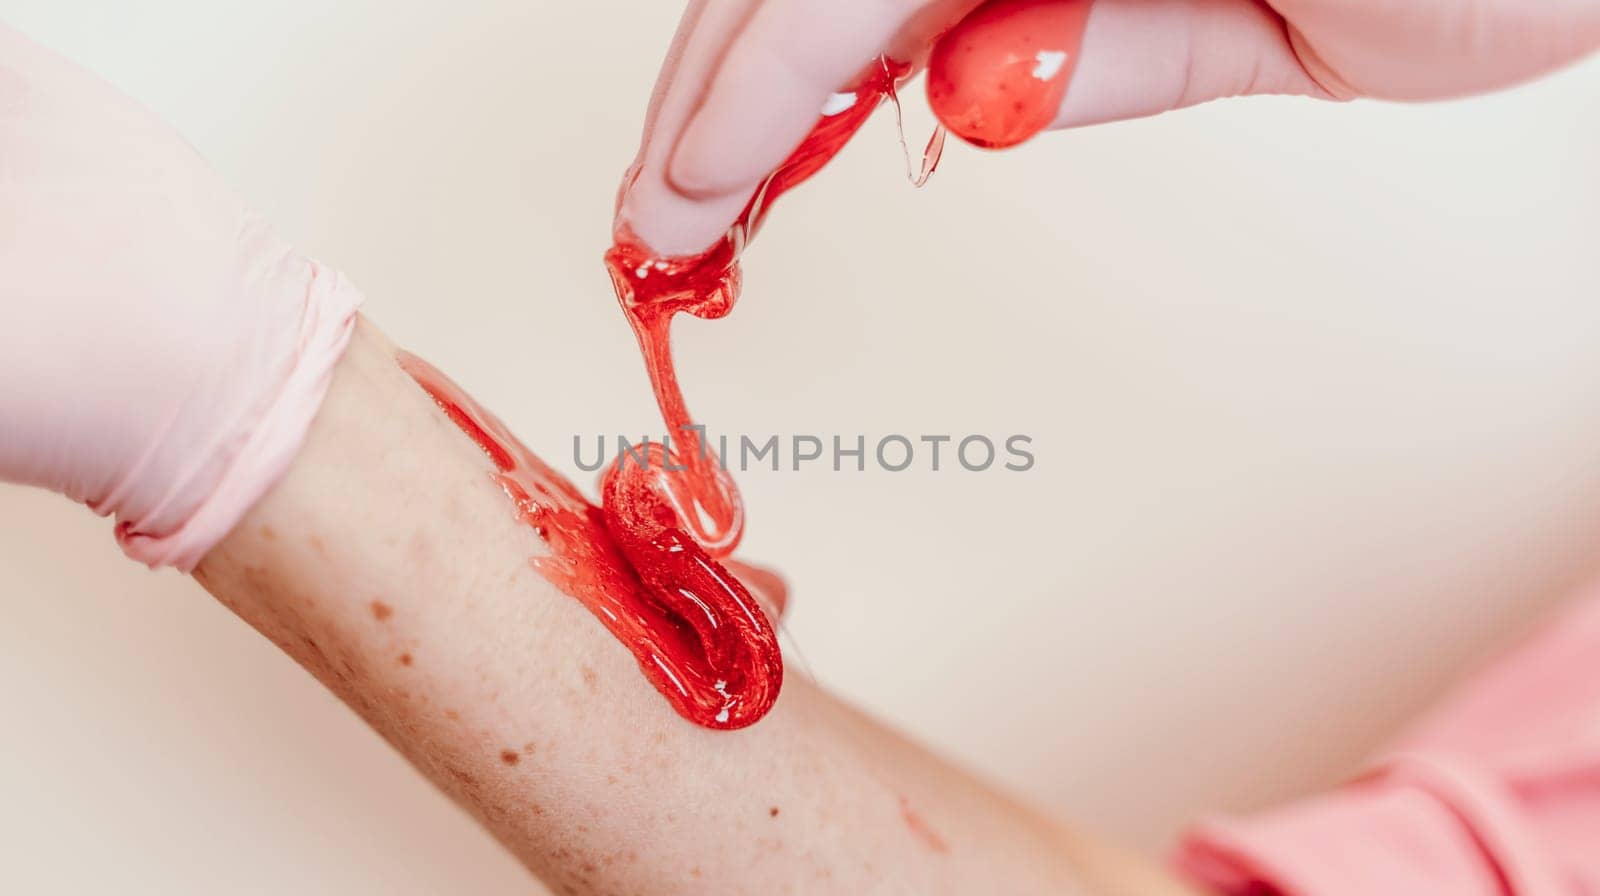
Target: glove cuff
266,441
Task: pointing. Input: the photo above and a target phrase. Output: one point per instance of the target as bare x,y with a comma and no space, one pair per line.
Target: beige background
1314,389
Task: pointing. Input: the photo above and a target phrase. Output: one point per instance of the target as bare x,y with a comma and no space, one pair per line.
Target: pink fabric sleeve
1496,793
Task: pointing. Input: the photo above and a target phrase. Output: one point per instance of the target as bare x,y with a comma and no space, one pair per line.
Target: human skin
390,565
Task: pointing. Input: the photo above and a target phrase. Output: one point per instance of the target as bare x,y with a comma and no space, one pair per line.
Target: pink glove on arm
162,349
1495,794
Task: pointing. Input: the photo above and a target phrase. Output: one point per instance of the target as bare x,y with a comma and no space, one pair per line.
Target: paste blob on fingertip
999,76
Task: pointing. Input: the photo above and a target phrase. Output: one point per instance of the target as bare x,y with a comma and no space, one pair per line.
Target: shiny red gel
678,517
999,76
697,633
651,289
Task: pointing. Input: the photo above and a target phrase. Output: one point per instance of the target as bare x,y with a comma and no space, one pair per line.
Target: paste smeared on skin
697,633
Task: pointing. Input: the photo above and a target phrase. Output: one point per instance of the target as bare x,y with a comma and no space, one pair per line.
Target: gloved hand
745,79
162,349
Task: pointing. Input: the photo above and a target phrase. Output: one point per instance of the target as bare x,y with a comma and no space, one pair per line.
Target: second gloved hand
745,79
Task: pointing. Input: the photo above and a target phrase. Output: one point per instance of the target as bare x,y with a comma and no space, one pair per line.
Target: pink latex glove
162,350
745,79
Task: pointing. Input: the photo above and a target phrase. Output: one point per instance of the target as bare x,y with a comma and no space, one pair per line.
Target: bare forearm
389,564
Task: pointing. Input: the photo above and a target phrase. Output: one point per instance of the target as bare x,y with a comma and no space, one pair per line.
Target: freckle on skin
773,812
381,611
590,678
452,715
267,534
510,757
405,659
